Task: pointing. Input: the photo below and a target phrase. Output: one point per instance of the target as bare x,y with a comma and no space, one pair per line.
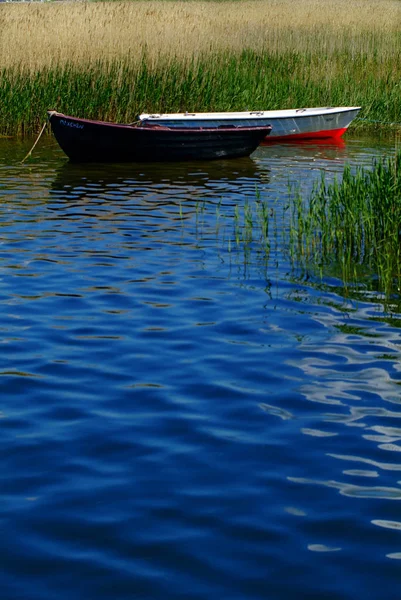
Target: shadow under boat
75,181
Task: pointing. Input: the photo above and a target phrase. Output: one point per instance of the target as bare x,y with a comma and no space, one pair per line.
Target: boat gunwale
298,113
159,128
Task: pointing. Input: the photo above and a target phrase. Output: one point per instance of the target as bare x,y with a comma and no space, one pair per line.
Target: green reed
119,90
246,232
353,226
349,229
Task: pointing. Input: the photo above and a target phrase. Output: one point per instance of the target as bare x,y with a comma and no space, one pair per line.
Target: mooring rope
52,112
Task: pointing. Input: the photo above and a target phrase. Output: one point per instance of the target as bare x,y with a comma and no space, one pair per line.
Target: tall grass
39,35
349,229
114,60
353,225
119,90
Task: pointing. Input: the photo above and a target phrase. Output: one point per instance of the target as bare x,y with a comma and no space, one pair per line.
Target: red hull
324,134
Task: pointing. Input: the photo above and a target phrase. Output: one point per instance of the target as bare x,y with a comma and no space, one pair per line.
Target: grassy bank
114,60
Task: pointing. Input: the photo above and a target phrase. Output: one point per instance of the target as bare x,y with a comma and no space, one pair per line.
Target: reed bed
353,226
347,232
39,35
113,60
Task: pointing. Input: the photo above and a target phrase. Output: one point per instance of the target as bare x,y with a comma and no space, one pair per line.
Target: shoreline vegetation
113,60
352,226
345,235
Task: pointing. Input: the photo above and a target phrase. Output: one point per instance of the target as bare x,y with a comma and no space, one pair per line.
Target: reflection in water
157,195
170,419
356,373
326,148
307,151
321,548
185,179
353,490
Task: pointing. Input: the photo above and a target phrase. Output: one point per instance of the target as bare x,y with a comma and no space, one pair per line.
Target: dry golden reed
42,35
113,60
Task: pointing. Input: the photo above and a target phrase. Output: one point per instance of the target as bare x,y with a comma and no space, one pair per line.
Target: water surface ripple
181,416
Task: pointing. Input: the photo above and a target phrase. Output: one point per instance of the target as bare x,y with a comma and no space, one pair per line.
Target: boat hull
83,140
287,125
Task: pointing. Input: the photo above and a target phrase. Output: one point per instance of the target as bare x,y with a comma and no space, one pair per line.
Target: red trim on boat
309,135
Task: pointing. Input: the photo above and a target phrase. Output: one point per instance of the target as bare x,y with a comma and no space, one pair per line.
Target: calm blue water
181,415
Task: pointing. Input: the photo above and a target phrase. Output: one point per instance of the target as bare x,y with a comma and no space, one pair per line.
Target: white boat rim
255,114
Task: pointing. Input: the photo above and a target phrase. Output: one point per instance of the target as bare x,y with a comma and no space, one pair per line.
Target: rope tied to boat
49,115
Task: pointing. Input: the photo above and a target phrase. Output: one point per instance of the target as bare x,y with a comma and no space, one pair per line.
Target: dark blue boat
84,140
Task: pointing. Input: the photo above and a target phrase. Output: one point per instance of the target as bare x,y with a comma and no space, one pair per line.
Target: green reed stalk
251,231
354,223
118,90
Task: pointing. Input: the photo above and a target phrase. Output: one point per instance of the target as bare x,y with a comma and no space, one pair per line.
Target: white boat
288,125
